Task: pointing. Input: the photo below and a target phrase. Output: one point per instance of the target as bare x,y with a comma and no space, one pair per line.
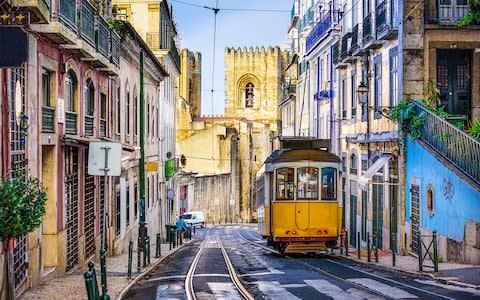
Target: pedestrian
181,227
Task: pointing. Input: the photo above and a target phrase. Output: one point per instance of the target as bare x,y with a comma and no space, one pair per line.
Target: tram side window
285,184
329,186
307,183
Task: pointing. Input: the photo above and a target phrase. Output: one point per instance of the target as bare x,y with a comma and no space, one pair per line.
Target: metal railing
306,19
354,44
321,28
289,89
455,145
174,52
381,17
336,52
103,36
103,128
450,13
367,28
68,13
114,48
71,122
48,118
345,51
89,125
87,22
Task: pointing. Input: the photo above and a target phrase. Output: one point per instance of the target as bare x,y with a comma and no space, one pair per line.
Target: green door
453,75
353,220
377,195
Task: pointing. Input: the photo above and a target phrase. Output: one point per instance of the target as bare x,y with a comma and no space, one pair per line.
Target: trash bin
170,236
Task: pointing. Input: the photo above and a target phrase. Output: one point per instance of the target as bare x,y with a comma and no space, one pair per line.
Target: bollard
89,285
375,242
157,246
435,252
91,269
342,236
170,242
358,245
394,249
144,248
346,243
368,246
139,255
419,245
194,229
173,236
147,246
103,271
130,254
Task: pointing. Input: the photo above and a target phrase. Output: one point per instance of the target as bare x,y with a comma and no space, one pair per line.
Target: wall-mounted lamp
362,93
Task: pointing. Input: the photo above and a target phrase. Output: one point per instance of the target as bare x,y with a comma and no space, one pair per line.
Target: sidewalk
448,273
72,286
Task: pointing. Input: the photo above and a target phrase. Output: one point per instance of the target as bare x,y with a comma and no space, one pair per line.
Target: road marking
183,276
273,290
450,287
271,271
382,288
325,287
364,295
224,290
170,292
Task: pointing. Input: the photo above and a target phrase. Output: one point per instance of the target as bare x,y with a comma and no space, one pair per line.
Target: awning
365,178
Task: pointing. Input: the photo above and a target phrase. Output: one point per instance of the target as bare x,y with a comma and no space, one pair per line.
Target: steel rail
347,266
189,278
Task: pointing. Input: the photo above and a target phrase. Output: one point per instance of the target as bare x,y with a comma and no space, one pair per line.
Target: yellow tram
298,204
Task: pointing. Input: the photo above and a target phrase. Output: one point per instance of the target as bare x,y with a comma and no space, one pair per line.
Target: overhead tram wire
231,9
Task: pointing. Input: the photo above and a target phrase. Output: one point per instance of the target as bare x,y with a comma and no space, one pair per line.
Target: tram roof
285,155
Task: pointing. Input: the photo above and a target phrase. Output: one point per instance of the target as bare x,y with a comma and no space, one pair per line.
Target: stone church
222,154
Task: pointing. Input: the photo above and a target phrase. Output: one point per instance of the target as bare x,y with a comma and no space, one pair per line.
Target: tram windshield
329,187
307,183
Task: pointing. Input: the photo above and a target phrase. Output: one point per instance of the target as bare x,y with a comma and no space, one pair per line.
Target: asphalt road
268,275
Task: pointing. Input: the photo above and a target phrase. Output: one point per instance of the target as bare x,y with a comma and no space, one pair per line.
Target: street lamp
362,93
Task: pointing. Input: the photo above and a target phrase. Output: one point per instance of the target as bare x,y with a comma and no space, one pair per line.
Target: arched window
70,95
249,94
89,98
353,164
127,112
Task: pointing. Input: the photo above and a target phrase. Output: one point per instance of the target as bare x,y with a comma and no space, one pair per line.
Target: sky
235,28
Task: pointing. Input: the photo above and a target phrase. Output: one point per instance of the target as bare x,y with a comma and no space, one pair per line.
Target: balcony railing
103,128
174,53
103,37
321,28
289,89
68,13
71,122
444,12
381,17
345,45
452,143
336,52
115,48
367,28
89,125
354,44
87,22
306,19
153,40
302,67
48,119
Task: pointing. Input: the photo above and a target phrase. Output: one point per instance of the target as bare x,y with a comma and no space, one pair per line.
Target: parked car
194,218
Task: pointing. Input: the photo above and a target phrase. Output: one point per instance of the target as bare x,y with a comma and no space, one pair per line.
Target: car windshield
187,217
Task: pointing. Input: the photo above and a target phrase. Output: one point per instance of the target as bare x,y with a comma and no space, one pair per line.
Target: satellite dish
18,99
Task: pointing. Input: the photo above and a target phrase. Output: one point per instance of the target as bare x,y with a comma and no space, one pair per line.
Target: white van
194,218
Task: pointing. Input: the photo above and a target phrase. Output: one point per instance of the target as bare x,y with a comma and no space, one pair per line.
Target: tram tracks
189,285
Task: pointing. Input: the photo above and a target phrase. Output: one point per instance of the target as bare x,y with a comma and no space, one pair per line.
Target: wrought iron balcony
68,13
103,37
354,43
307,19
89,125
289,89
103,128
321,29
444,12
345,51
87,22
174,53
381,16
48,119
71,122
41,9
385,26
336,52
452,143
367,28
115,48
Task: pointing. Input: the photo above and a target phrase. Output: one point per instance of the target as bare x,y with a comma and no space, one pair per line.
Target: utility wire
216,9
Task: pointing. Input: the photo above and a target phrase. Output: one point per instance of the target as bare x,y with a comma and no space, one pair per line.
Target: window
127,202
89,98
344,162
249,94
307,183
329,185
117,112
127,113
393,77
353,95
117,209
103,106
377,97
46,93
147,192
430,200
353,164
148,118
70,87
135,113
285,184
135,199
364,165
344,98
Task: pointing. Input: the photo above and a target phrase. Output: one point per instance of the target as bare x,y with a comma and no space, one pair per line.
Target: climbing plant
406,115
473,15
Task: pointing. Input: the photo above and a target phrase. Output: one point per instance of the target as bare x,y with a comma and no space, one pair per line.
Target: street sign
104,159
151,166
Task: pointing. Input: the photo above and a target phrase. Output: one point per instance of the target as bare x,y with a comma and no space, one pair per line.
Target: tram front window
285,184
329,184
307,183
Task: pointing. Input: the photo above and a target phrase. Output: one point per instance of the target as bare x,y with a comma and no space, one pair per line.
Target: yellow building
236,143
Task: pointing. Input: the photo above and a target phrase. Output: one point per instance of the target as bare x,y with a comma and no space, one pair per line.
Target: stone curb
147,270
444,281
